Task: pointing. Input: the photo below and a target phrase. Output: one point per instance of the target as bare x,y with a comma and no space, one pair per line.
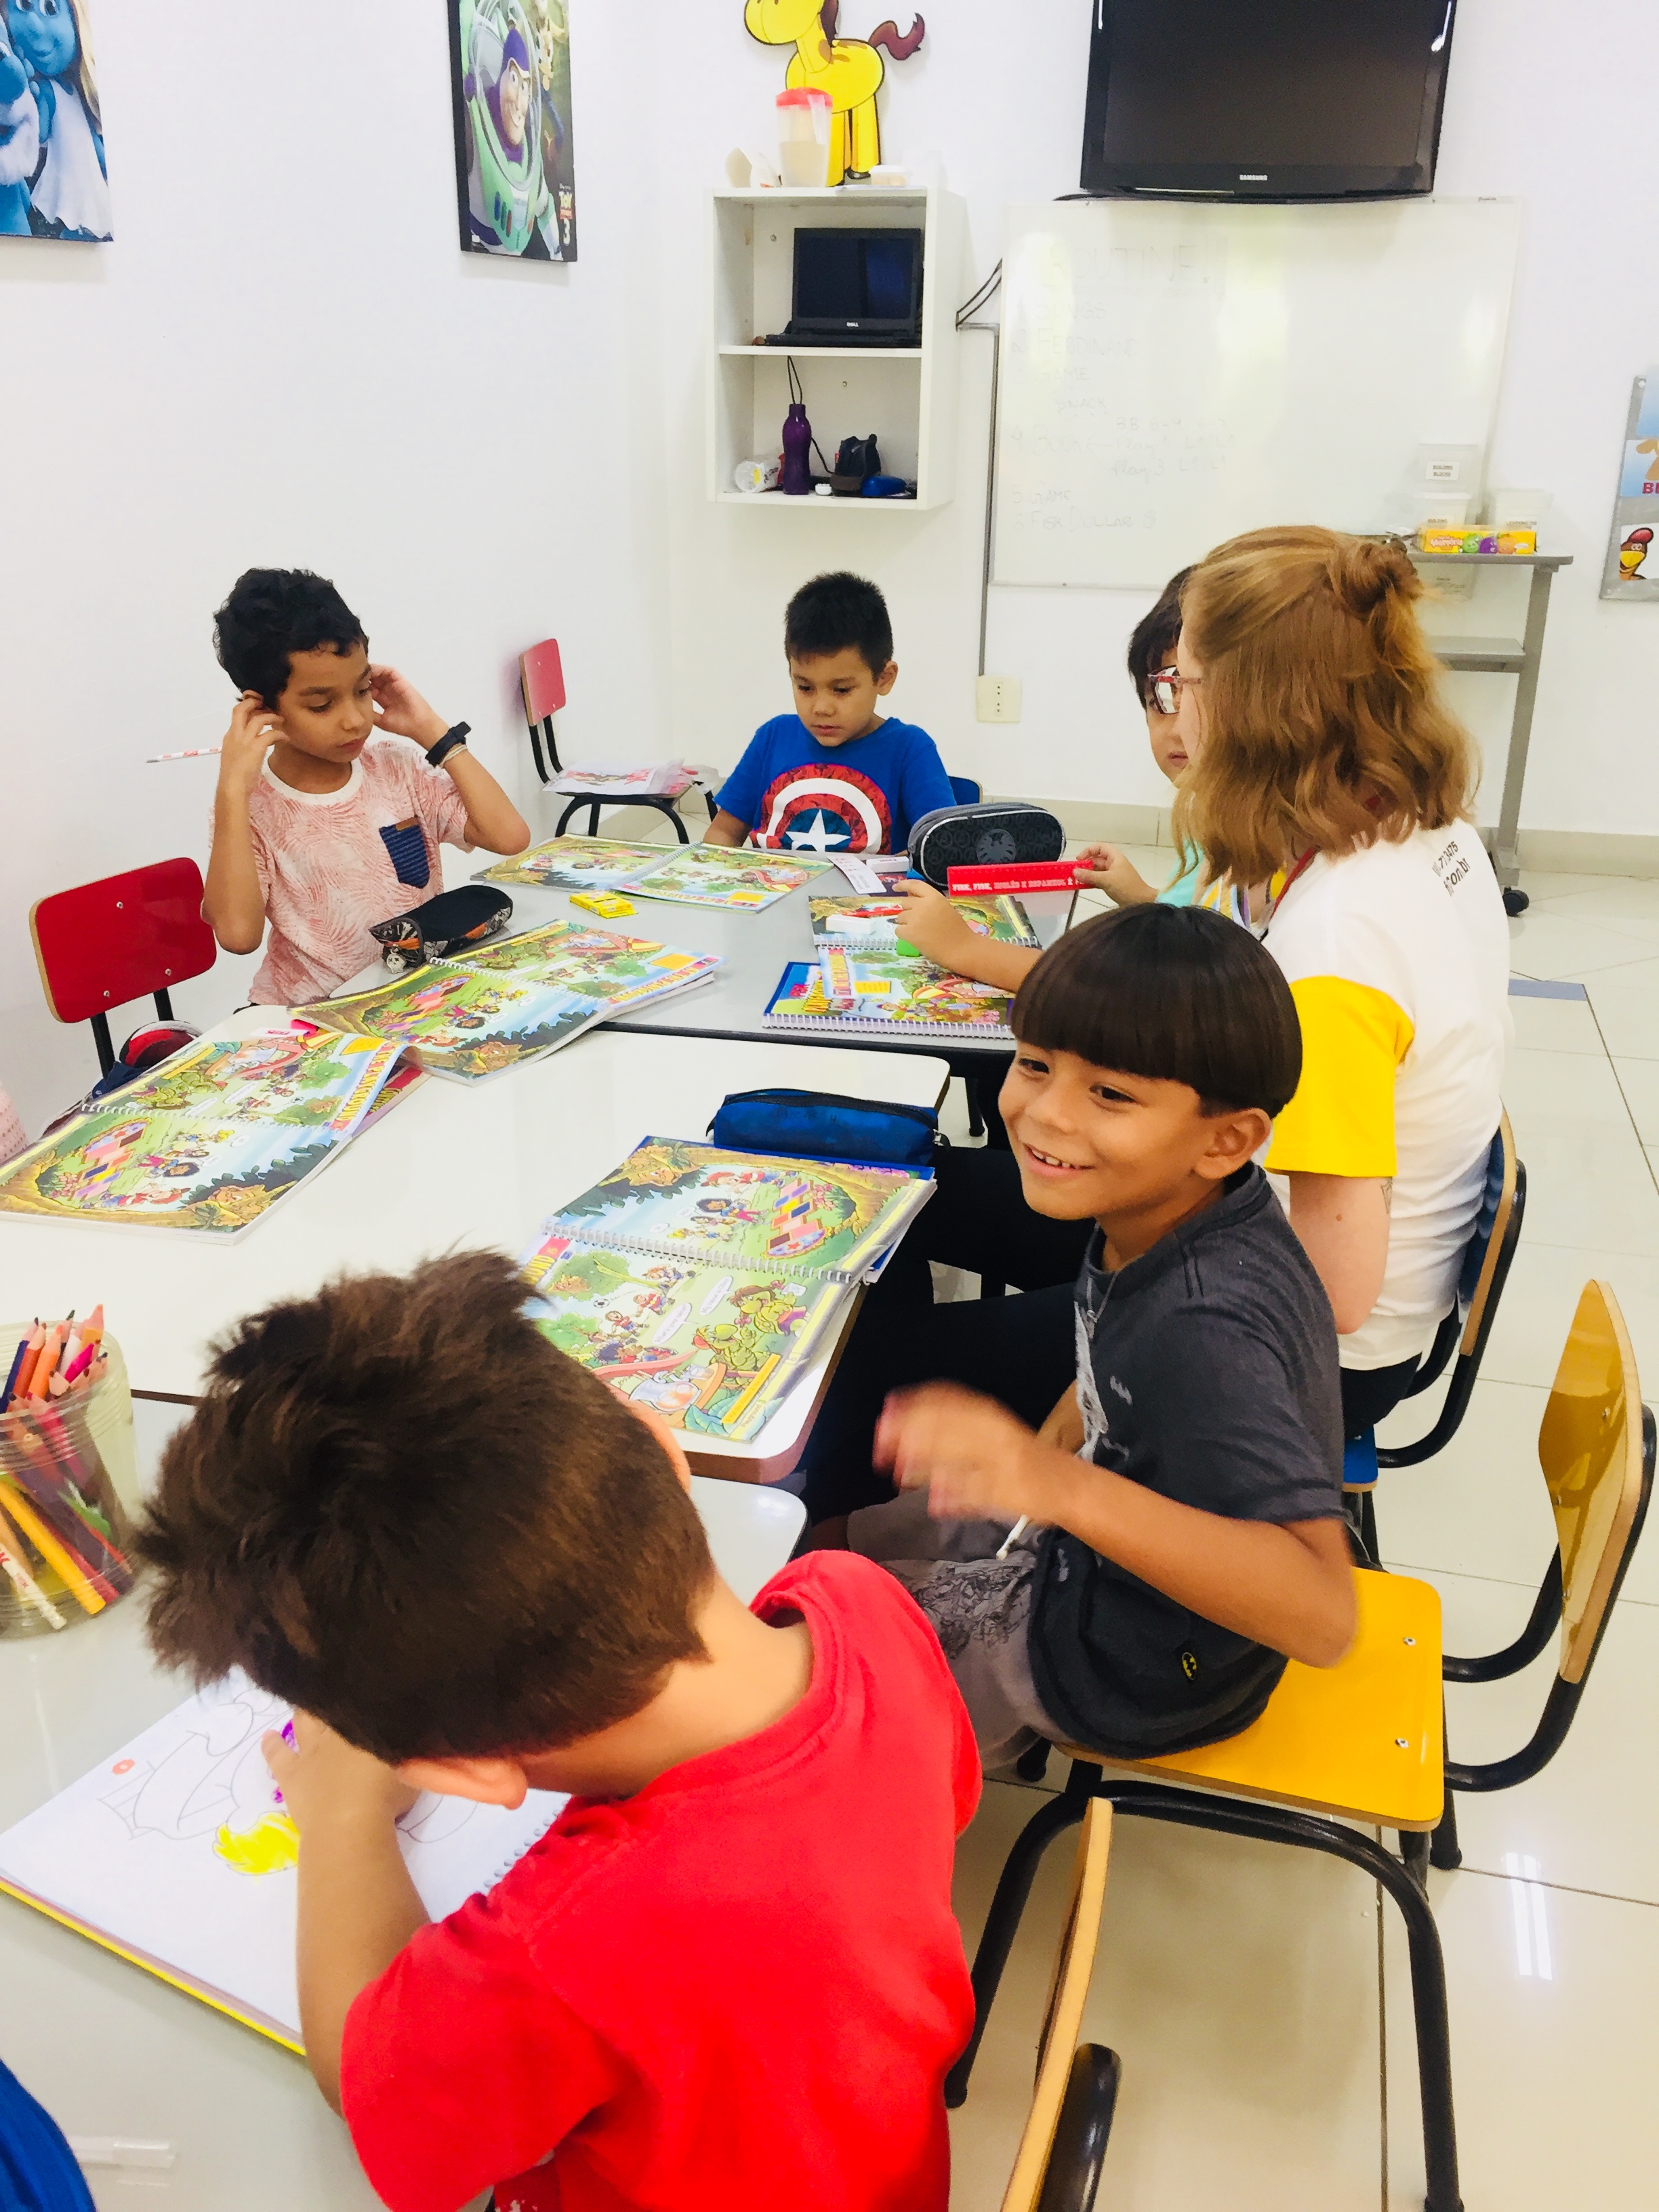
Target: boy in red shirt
728,1974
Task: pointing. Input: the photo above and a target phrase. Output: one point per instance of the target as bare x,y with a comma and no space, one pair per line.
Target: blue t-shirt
797,795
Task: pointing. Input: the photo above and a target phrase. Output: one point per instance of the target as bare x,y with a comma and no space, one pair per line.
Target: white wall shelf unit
906,395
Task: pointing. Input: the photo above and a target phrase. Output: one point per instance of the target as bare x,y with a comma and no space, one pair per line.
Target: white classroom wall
1544,107
285,358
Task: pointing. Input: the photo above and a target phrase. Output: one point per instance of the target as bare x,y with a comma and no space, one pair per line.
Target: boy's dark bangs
1173,995
1117,1014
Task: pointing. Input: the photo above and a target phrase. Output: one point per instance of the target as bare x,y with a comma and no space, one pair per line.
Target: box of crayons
64,1530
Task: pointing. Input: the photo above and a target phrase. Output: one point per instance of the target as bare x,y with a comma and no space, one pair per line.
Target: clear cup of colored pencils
64,1537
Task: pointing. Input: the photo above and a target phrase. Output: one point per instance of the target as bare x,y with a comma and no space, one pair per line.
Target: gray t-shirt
1207,1370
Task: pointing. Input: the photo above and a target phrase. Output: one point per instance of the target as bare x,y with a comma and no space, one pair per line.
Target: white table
110,2050
755,949
451,1165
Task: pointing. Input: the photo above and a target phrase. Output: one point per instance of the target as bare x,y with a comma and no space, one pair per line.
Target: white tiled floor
1265,2035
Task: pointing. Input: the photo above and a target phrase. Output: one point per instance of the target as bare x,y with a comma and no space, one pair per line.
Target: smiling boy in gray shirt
1181,1509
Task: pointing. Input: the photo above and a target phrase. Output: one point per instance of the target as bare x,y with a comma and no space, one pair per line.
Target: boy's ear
887,679
484,1781
1233,1140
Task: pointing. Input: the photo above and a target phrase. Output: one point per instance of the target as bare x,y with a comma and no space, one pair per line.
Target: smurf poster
514,169
53,181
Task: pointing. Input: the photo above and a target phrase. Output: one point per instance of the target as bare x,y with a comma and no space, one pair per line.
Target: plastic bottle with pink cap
804,115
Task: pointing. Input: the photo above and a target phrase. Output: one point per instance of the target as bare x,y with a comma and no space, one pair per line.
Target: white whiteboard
1172,375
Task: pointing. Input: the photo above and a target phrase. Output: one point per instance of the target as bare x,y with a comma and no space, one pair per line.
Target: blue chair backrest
1475,1252
969,793
38,2171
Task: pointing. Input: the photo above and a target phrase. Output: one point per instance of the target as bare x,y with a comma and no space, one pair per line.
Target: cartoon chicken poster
1632,565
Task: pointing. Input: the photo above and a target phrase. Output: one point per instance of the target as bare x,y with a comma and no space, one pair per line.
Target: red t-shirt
743,1986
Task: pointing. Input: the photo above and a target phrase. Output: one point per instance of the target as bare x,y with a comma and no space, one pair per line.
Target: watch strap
457,735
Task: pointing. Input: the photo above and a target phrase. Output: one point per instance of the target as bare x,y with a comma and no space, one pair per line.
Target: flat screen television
1270,99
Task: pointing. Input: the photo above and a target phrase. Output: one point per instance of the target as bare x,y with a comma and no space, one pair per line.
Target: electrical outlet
997,698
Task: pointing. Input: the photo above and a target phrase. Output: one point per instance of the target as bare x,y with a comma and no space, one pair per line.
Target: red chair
541,680
102,943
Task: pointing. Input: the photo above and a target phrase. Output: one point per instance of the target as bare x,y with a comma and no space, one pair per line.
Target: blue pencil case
824,1125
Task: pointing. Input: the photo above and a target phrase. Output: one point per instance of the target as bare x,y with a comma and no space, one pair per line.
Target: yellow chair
1057,2166
1363,1741
1360,1742
1597,1464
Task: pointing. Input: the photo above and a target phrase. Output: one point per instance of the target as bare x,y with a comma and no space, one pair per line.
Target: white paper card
176,1846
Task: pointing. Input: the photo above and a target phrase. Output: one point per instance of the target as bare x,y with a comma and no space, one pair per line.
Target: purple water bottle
797,445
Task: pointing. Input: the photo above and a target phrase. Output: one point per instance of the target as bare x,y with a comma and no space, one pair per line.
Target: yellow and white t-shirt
1398,960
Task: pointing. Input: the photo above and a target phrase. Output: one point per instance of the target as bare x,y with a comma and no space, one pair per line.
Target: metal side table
1505,656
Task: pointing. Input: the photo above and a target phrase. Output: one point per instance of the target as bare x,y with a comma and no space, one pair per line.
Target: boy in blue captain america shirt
834,776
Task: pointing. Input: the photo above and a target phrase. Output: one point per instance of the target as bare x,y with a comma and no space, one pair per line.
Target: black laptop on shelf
855,288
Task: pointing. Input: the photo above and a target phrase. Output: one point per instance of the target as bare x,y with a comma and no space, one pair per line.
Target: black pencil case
452,922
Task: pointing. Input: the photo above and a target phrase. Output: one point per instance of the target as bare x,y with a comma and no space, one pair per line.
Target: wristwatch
447,744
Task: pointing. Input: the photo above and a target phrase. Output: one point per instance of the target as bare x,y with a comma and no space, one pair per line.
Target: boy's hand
973,1457
402,712
323,1778
933,926
1105,869
254,729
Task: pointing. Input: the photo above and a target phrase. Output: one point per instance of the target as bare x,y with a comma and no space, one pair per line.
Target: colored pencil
12,1558
196,752
81,1586
18,1358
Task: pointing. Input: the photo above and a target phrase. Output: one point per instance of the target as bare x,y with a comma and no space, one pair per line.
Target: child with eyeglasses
936,929
1152,672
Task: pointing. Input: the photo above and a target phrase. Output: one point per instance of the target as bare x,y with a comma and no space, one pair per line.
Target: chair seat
1361,1740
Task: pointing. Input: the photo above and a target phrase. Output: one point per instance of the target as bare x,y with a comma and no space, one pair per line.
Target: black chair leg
975,1119
1008,1906
1414,1852
1433,2049
1367,1522
1445,1852
101,1037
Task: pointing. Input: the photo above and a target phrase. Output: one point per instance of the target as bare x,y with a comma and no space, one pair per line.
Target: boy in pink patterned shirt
326,819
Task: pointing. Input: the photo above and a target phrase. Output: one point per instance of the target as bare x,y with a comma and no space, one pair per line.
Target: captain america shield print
821,809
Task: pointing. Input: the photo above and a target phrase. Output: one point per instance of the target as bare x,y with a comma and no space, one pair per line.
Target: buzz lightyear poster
514,167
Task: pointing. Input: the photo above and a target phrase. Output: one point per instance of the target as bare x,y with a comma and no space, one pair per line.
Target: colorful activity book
576,864
866,993
871,924
598,964
175,1853
210,1140
698,1281
461,1020
688,875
